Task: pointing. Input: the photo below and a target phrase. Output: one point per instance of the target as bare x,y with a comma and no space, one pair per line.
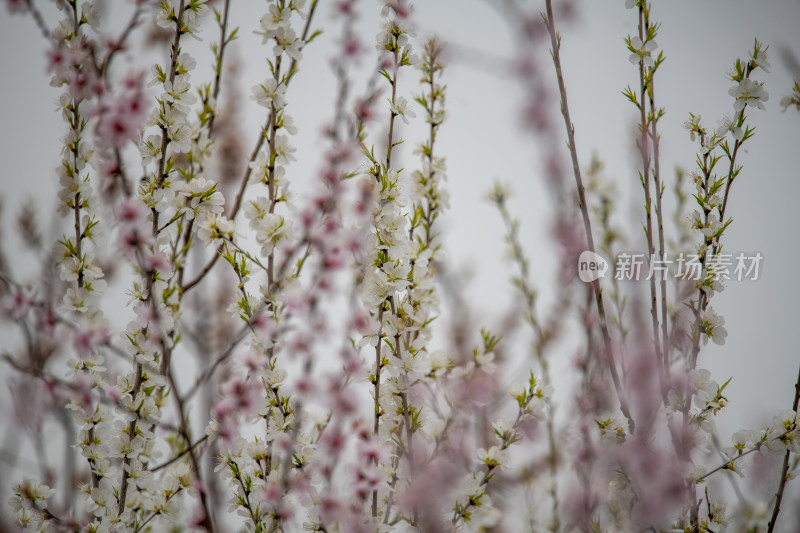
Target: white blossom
215,228
269,93
400,108
642,51
713,327
748,92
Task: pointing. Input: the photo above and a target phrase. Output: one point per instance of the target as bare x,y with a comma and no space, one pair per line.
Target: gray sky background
482,140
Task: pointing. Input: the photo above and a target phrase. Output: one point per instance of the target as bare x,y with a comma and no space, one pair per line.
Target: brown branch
39,20
119,44
223,42
555,41
644,86
165,464
207,521
785,469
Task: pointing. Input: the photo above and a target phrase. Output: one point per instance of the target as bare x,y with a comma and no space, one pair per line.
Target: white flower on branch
269,93
215,228
375,289
30,502
179,93
150,149
202,198
748,92
761,61
284,152
180,137
401,108
272,22
713,327
727,124
287,41
494,456
270,228
642,51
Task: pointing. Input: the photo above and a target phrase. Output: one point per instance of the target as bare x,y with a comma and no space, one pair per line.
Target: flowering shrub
307,362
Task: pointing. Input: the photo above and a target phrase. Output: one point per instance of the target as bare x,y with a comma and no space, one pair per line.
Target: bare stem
785,468
119,43
555,41
223,42
645,86
207,521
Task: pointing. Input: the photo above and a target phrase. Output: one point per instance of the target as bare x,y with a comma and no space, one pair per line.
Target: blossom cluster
307,362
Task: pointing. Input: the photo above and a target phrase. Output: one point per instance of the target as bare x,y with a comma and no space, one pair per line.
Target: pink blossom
306,386
123,114
283,442
284,513
57,62
20,302
371,450
400,7
130,211
477,389
364,111
253,360
658,478
222,409
244,395
352,47
367,478
534,27
198,519
361,430
131,240
88,336
147,315
345,7
333,440
31,401
536,114
344,401
330,508
16,6
272,493
157,262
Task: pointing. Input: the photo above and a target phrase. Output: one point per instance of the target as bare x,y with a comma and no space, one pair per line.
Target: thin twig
646,85
119,44
555,41
785,469
223,42
39,20
208,520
